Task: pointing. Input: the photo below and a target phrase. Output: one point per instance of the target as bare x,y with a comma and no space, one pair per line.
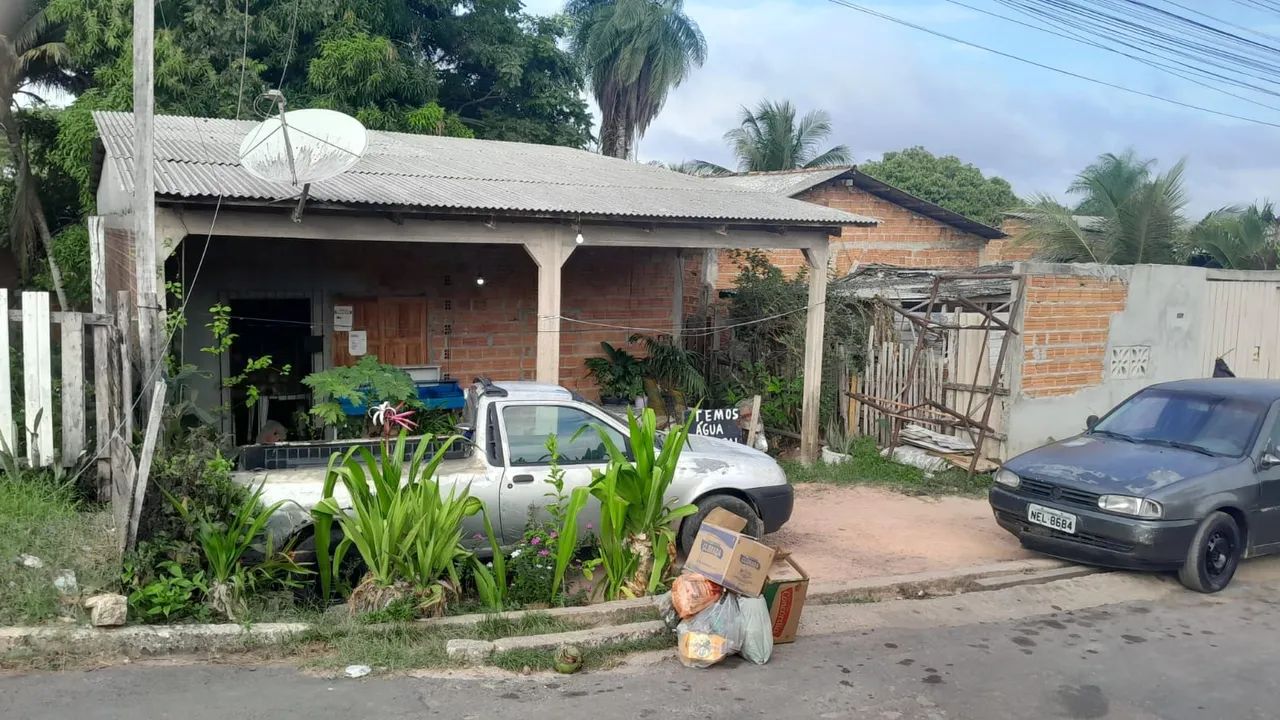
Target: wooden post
144,183
756,421
73,422
10,442
144,463
126,366
815,321
851,419
37,372
102,425
549,254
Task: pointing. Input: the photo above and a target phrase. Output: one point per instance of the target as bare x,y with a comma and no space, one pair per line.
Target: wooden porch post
549,254
815,320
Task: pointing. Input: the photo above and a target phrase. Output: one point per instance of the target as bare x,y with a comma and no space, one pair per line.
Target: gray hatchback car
1181,476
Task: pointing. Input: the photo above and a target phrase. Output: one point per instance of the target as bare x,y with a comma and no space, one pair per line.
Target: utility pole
144,190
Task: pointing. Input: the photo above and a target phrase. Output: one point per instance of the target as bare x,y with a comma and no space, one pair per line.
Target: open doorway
280,329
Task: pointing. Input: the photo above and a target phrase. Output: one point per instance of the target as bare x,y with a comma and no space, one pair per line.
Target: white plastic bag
712,635
757,630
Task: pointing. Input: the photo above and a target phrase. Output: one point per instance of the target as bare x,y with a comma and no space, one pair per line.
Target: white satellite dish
303,146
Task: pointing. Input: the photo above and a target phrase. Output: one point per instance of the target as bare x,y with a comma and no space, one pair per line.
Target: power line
1051,68
293,38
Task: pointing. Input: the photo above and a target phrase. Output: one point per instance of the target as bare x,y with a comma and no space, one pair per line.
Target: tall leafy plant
407,532
618,373
636,539
368,382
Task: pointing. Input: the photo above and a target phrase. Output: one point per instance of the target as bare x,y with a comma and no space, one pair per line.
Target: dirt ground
846,533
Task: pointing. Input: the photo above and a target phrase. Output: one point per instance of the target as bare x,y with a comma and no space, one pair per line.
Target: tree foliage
1140,219
770,138
1108,180
635,52
1237,238
947,181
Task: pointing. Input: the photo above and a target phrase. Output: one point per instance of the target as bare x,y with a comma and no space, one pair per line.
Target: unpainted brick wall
902,238
1065,325
1007,249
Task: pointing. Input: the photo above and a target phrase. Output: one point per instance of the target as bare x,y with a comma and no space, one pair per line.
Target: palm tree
1137,220
1238,239
635,52
769,138
697,168
30,55
1110,178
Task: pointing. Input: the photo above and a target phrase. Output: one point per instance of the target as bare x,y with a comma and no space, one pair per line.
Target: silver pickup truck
505,464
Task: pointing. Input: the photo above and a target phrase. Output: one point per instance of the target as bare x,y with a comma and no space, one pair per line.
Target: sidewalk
847,533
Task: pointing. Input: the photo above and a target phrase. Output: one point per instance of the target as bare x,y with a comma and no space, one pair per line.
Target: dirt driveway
845,533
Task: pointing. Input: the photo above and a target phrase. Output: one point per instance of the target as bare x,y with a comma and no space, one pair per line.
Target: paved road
1167,654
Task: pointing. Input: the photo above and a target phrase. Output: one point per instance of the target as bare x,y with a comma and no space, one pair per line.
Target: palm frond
1056,235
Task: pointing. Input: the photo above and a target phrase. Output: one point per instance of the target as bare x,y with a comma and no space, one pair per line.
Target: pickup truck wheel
1214,554
737,506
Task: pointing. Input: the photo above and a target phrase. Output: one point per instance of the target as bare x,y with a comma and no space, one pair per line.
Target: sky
888,87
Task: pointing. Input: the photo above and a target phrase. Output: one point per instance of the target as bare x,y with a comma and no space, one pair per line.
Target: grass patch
593,658
406,646
867,467
41,516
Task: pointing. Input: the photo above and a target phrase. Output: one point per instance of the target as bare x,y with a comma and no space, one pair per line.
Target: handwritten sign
716,422
357,343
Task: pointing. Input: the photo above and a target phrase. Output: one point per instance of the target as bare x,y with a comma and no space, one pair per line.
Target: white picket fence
36,438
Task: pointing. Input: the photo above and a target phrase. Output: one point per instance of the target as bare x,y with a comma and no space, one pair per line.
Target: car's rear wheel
1214,554
737,506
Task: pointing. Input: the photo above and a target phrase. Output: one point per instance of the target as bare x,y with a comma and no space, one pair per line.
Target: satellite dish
303,146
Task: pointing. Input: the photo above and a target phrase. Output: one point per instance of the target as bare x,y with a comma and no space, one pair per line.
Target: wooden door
395,330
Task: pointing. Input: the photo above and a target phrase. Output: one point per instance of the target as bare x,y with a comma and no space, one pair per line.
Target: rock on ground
107,609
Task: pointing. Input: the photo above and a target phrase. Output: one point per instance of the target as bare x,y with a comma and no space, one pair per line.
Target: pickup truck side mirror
1269,460
1090,421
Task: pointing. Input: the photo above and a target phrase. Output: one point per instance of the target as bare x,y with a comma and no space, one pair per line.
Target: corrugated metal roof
790,183
1088,223
198,157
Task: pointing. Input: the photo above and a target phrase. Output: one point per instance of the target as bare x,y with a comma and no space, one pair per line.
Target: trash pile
735,596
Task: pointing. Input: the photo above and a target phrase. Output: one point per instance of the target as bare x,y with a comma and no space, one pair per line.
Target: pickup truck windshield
1201,423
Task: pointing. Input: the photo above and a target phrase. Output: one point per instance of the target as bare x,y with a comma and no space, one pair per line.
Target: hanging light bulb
480,281
579,239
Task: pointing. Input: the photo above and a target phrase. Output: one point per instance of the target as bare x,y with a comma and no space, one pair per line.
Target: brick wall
902,238
1007,249
1065,327
472,330
119,261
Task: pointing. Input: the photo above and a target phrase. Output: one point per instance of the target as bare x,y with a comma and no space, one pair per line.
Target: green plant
674,368
532,565
491,580
224,546
366,383
618,374
769,138
405,530
171,596
220,327
781,398
836,439
636,540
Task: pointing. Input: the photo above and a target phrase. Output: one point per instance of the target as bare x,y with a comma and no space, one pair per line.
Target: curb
147,639
618,620
479,651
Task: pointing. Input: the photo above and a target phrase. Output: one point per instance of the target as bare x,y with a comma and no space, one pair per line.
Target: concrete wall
1162,319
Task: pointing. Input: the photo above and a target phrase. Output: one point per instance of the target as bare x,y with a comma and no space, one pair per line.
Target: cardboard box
784,593
722,554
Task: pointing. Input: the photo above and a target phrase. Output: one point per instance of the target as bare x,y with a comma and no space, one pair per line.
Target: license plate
1050,518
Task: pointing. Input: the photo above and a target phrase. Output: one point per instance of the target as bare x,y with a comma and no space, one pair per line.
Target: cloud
888,87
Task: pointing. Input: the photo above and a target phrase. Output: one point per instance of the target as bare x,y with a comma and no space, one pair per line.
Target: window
1223,426
527,428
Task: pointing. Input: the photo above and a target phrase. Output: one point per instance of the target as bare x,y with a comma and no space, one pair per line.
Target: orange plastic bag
691,594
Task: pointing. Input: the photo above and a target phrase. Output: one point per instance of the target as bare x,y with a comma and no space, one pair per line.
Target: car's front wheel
1214,554
736,505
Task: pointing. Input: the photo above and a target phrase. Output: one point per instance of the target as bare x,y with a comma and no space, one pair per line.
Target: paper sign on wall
342,315
357,343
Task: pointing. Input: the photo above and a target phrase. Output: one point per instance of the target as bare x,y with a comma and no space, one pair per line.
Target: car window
528,426
1219,425
1273,443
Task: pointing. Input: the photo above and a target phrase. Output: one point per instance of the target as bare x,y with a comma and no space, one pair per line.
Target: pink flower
536,540
478,536
554,534
544,552
590,526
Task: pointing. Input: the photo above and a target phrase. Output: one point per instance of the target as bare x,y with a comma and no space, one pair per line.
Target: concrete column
549,254
817,257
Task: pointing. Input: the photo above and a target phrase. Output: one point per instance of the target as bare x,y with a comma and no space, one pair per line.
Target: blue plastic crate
445,395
